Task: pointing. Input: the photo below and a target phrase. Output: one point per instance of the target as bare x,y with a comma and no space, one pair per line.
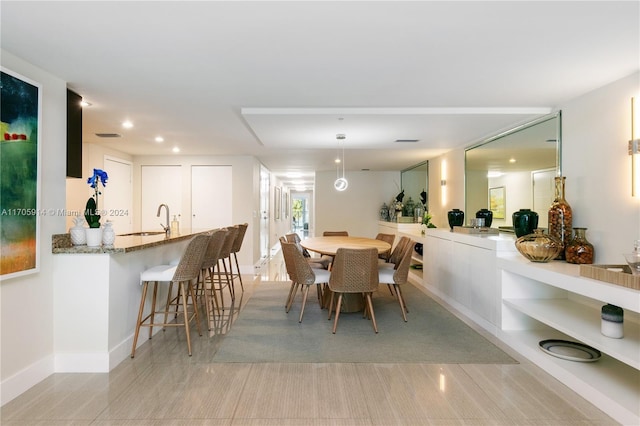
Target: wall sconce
634,148
443,183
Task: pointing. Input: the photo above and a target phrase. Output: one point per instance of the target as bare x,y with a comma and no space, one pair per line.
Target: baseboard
97,362
23,380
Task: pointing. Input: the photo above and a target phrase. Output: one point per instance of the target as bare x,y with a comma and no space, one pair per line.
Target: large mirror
514,170
414,181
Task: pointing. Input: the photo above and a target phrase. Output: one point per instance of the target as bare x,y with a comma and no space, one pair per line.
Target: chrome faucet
167,229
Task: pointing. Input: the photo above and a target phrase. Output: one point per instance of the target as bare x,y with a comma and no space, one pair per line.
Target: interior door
264,212
118,195
211,197
160,185
543,194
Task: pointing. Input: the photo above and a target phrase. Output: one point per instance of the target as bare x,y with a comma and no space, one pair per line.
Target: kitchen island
97,295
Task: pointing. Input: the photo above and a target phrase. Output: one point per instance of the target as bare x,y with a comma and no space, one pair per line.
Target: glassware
524,222
108,234
633,260
579,250
560,216
539,247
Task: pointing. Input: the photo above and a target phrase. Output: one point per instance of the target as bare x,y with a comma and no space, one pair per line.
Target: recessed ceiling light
159,139
493,174
176,149
512,160
337,160
407,140
127,124
84,104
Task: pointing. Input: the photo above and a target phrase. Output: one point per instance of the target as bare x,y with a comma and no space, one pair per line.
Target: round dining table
329,246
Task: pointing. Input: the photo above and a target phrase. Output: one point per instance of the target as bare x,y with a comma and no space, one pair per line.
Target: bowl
539,247
633,260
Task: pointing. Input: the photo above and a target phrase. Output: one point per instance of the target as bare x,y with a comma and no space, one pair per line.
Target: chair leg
338,307
168,304
401,302
369,302
238,269
195,307
142,299
293,295
330,305
305,292
186,315
286,304
153,308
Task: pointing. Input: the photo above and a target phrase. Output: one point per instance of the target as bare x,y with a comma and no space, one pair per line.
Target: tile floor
164,386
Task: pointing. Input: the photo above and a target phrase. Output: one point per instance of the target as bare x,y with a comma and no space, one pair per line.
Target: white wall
26,316
355,210
246,195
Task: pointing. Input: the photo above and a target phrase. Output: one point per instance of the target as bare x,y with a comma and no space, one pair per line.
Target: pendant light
341,182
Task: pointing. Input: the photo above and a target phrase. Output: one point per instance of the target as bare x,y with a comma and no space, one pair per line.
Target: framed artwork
277,202
285,205
497,202
20,115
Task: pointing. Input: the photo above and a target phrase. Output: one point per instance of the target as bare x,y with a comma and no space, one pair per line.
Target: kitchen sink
142,234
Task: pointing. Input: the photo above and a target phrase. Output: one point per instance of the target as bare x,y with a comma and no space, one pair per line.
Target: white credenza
523,303
552,301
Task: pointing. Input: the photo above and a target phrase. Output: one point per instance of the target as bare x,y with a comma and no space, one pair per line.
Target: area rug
264,332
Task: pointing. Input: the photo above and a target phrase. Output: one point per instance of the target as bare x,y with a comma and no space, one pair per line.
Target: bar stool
235,248
185,272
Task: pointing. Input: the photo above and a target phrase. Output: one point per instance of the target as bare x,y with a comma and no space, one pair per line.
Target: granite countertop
61,243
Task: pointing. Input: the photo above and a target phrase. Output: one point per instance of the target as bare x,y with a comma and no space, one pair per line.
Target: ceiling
279,80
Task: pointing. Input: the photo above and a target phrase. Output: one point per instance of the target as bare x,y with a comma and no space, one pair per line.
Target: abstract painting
20,212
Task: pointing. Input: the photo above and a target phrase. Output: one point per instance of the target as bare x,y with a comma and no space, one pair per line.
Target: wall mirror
414,180
514,170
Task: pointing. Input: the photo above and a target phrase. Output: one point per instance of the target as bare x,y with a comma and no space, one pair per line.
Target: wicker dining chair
399,276
396,253
221,272
387,238
302,274
354,271
184,274
335,234
323,261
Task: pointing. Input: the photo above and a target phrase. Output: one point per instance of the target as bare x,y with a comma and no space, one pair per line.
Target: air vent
107,135
407,140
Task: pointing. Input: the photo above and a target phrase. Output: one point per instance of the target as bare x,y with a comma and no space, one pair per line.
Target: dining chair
354,271
399,275
335,234
224,279
235,248
323,261
302,274
206,283
184,274
387,238
396,253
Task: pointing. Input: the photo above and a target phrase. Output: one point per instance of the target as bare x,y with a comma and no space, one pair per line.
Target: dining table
329,246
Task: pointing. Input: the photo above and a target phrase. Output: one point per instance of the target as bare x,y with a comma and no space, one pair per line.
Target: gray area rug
264,332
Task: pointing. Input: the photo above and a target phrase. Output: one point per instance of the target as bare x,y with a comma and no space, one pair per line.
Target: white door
160,185
211,197
264,212
118,195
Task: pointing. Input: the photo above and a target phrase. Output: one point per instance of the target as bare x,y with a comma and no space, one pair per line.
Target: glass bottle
560,216
539,247
579,250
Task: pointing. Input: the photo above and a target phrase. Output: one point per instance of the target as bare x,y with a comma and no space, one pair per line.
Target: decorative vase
579,250
94,237
108,234
539,247
560,216
77,232
612,321
487,215
524,222
455,217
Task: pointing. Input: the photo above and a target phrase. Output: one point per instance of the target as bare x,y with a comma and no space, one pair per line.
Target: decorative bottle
560,216
487,215
524,222
538,247
579,250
